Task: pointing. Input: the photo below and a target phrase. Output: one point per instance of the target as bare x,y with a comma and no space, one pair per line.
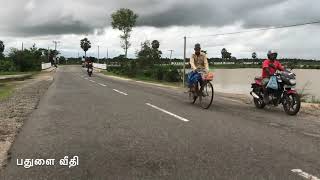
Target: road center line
92,81
167,112
120,92
304,174
102,85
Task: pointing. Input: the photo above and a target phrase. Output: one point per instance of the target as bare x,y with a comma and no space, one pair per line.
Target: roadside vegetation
5,90
26,60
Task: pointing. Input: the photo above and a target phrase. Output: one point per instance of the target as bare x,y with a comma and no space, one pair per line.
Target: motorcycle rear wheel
259,103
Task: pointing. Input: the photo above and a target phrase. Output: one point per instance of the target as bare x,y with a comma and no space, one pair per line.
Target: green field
145,79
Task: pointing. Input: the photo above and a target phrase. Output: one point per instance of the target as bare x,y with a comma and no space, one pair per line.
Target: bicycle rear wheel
206,98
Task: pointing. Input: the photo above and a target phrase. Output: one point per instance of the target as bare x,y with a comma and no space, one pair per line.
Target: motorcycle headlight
293,82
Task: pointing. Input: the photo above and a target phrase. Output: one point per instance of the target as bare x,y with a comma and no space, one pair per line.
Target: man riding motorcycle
89,66
269,67
199,63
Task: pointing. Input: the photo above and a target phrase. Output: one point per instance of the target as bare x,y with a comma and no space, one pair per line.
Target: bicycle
205,93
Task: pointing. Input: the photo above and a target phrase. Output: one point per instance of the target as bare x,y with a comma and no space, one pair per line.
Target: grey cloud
47,17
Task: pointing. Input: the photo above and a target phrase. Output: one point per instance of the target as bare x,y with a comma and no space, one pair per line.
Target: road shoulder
16,108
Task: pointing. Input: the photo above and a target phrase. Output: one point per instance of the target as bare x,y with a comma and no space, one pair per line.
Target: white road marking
86,78
167,112
229,99
92,81
120,92
102,85
304,174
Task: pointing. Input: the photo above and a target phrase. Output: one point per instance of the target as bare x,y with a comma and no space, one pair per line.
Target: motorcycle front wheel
291,104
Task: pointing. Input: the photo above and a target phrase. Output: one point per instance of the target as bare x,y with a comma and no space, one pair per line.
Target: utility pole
22,46
48,52
55,44
184,60
170,53
107,53
98,53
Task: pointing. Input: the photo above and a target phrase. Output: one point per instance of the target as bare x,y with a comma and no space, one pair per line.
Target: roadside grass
6,90
18,73
144,79
307,97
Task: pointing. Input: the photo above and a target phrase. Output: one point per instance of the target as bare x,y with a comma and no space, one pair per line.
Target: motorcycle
90,70
285,94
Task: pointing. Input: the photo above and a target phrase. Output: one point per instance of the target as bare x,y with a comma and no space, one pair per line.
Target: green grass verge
145,79
18,73
5,90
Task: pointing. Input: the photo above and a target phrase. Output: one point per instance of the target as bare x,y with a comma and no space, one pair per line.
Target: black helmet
197,46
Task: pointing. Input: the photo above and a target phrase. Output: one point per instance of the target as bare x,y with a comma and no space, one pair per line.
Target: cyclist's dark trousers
201,84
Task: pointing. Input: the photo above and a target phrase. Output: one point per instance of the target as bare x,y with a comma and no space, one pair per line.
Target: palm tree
85,44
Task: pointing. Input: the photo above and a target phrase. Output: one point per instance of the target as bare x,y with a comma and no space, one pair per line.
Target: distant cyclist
269,67
199,64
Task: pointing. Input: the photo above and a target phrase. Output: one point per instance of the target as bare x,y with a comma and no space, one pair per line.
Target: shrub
147,73
7,65
158,73
172,75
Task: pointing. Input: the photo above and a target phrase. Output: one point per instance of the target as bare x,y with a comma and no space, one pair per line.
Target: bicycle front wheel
206,98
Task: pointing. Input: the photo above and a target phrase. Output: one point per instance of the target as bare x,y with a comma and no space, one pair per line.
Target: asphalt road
128,130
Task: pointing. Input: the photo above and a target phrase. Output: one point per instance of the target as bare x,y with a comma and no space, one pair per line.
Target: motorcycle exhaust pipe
253,94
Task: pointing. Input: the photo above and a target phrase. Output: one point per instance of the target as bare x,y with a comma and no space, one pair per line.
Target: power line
262,29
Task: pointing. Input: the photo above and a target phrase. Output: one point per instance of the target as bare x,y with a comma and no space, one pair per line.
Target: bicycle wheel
206,97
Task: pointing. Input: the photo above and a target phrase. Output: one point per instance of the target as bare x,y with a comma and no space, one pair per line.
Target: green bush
158,73
7,66
172,75
147,73
27,60
130,69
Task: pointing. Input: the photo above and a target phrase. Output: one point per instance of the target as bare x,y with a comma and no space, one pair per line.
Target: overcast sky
68,21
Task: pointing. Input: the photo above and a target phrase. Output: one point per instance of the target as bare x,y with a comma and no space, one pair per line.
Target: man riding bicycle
199,64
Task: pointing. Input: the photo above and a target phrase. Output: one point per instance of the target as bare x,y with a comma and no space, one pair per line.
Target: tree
155,53
155,44
47,56
62,60
225,54
254,55
149,53
1,48
85,44
124,20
